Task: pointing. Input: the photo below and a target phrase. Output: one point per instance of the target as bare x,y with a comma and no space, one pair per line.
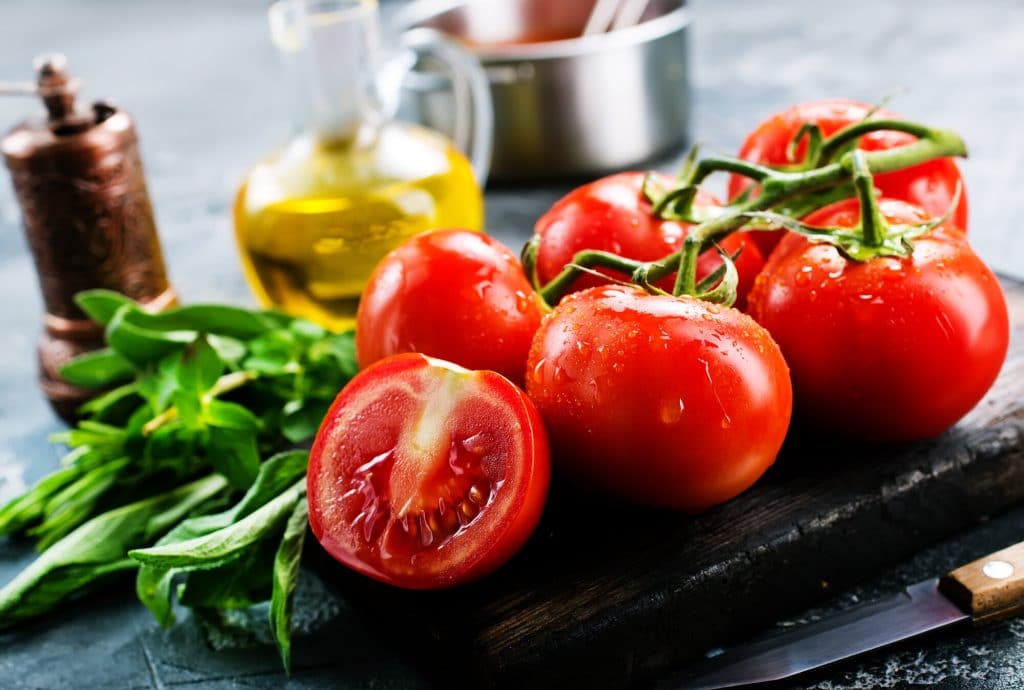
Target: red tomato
426,475
612,215
892,348
453,294
665,401
930,185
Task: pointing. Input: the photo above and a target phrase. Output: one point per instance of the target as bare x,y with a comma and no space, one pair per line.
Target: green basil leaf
286,578
29,508
93,434
97,369
101,305
301,423
224,545
70,507
200,367
153,587
306,331
240,583
128,335
97,549
235,454
277,474
159,384
189,406
230,350
220,319
273,354
106,405
341,348
229,415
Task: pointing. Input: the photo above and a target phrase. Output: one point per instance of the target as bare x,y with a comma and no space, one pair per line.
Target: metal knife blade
918,609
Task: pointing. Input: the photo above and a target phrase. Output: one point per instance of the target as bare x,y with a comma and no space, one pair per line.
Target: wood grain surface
611,596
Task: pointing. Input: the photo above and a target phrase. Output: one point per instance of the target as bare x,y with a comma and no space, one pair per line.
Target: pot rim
420,11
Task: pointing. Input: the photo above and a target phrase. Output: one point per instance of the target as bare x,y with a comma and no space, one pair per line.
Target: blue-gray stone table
202,81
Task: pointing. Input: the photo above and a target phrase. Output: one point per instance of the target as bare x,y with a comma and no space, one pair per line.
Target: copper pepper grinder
87,215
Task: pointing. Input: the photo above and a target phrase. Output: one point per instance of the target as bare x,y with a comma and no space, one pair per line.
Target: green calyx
898,240
873,236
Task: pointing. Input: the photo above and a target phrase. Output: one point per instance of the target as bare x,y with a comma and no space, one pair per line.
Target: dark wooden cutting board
610,596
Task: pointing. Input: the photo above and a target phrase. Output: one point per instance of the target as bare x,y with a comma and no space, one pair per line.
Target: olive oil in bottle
313,219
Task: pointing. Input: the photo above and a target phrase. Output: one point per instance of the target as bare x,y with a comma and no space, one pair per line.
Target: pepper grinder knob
56,87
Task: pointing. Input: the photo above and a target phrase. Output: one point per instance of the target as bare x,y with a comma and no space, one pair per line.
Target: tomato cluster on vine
658,341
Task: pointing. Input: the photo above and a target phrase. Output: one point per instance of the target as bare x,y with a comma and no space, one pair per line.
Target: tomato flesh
427,475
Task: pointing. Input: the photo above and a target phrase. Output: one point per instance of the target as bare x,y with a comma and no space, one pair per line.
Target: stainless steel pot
569,106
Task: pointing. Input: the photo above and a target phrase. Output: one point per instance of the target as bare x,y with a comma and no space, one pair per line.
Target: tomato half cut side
426,475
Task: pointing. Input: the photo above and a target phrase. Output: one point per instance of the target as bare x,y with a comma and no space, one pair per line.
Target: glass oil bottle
313,218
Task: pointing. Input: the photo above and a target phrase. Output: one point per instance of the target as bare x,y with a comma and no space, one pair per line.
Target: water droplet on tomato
672,410
538,367
522,301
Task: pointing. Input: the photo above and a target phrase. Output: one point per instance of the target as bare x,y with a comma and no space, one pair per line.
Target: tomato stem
833,145
586,259
686,277
872,222
780,186
793,193
528,257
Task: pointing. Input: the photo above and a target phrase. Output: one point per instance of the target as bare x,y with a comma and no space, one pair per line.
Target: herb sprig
164,473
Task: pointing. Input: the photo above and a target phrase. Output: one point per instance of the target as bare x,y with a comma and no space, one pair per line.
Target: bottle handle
474,114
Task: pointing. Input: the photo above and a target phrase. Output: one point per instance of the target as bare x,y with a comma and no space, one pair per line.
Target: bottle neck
328,50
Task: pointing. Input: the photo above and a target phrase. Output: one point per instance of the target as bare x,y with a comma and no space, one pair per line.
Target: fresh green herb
286,578
97,549
197,396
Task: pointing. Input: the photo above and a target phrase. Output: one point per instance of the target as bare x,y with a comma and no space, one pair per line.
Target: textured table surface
202,82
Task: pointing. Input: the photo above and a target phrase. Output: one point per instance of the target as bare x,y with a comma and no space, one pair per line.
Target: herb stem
226,383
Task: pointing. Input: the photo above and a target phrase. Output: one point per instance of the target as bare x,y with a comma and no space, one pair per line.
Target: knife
986,590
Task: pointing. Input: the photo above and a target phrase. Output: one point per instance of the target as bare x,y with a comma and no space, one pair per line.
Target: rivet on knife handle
990,588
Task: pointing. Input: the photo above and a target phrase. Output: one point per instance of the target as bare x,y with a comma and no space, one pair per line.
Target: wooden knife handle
990,588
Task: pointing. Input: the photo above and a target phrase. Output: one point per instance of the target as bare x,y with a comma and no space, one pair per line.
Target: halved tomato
426,475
